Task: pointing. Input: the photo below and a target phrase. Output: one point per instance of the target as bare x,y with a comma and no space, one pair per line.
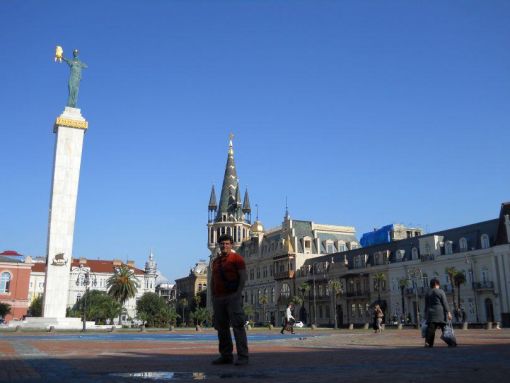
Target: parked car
299,324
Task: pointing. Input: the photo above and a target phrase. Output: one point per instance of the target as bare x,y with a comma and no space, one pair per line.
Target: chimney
117,262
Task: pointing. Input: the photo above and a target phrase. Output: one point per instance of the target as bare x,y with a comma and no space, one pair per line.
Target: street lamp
414,273
470,263
86,282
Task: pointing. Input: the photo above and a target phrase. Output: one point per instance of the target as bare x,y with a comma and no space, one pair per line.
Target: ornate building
98,273
396,274
271,256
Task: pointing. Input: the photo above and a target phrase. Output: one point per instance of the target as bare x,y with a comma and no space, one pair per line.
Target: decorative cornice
70,123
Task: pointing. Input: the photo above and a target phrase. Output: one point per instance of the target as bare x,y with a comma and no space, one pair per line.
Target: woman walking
437,311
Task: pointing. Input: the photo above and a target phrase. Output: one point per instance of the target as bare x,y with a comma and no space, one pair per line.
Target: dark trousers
228,311
288,325
431,332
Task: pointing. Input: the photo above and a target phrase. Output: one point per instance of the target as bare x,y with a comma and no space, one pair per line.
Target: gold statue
59,53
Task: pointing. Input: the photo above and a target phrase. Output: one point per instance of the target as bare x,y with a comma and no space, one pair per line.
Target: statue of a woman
74,79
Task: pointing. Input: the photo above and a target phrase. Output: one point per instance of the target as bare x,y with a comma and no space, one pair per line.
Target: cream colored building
480,251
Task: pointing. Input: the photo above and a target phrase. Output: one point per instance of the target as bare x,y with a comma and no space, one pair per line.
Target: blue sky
361,113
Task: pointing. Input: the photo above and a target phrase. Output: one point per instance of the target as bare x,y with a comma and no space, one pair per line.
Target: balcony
357,294
485,285
427,257
413,290
289,274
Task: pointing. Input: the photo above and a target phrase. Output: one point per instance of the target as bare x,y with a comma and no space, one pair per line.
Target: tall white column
69,129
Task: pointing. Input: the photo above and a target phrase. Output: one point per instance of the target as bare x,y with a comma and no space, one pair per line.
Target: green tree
451,272
304,289
200,315
379,279
248,311
36,307
458,280
154,309
402,284
183,303
100,307
336,289
122,285
5,309
263,300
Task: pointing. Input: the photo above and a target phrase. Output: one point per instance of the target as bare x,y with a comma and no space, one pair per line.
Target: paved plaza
308,356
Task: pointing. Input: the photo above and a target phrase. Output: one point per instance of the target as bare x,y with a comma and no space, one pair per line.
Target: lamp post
414,273
470,263
86,282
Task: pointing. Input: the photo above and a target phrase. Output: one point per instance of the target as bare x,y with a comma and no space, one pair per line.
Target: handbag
448,335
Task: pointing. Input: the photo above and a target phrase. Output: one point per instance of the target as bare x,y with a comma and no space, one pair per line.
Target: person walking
437,311
289,320
227,283
378,318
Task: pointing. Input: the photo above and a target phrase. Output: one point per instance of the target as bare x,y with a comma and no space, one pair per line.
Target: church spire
229,183
246,203
212,200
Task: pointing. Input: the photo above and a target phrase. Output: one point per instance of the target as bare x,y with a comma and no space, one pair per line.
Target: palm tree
122,285
183,303
379,278
336,288
459,279
402,283
452,271
305,288
263,300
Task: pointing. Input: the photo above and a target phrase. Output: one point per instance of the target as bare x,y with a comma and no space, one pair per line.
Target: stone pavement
308,356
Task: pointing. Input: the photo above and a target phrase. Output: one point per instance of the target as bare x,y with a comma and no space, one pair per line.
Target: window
485,241
414,253
5,282
78,297
463,244
264,272
252,274
448,247
258,272
400,255
307,245
285,291
330,247
273,296
342,246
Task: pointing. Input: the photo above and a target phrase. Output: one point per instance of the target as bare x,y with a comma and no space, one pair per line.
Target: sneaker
223,360
281,332
241,362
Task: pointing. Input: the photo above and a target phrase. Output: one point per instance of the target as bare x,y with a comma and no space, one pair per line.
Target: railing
485,285
427,257
357,294
284,275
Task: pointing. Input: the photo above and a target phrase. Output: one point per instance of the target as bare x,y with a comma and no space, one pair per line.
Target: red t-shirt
225,273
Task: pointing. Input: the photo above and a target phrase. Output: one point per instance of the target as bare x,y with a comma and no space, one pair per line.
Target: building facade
14,282
397,275
99,271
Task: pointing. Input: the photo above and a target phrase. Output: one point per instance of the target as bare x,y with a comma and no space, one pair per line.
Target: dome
257,227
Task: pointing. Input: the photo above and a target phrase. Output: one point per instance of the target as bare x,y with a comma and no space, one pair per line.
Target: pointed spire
238,195
212,200
246,204
287,216
229,182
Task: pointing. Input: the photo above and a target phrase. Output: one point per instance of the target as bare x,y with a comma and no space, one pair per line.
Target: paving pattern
308,356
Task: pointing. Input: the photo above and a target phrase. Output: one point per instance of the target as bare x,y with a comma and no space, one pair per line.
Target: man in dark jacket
437,311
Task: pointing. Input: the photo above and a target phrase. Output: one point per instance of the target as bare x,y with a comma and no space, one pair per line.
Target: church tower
231,215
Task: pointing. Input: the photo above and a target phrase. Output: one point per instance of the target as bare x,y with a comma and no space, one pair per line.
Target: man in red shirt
227,283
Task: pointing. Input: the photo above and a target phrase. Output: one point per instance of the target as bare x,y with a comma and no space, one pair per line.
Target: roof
11,253
9,260
96,266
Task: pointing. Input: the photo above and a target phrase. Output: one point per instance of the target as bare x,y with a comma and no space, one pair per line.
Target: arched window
5,282
485,241
414,253
463,245
448,247
285,291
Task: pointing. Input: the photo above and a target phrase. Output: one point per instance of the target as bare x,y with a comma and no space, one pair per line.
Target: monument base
40,323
